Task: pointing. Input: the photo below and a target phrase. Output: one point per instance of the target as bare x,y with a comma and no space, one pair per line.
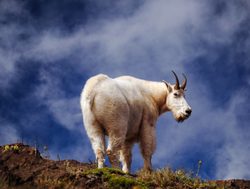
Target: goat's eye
175,94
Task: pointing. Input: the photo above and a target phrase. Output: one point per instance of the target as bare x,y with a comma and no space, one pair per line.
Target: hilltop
23,167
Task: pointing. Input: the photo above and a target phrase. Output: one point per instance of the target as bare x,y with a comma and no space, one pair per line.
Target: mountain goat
126,110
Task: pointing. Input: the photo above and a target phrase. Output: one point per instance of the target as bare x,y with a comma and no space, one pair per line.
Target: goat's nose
188,111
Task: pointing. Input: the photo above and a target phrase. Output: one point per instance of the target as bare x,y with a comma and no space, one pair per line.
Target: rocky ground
23,167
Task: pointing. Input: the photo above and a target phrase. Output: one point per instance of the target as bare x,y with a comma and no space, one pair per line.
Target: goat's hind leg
99,149
116,140
126,156
113,150
97,139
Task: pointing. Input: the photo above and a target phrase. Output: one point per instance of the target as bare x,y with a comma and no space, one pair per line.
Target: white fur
126,110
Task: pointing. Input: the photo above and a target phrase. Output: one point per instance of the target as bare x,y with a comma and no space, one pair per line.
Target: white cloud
10,6
232,157
159,35
66,112
8,134
155,30
12,48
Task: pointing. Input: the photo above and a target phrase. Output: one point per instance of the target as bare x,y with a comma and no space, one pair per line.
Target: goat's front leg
147,145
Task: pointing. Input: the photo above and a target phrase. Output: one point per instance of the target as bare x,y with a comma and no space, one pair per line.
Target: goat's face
176,101
178,105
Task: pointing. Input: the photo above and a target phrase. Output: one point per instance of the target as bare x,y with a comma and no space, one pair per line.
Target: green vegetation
6,148
14,148
116,178
162,178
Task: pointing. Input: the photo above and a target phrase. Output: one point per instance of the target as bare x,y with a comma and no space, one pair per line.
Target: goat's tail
87,95
93,129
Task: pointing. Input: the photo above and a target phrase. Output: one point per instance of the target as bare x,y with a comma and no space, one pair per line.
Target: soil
23,167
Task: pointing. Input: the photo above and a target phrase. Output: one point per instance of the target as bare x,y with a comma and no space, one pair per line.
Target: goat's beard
180,117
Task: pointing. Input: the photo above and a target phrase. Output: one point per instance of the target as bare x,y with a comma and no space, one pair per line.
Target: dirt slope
22,167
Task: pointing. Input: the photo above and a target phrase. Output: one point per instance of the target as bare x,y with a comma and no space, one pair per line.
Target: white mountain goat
126,110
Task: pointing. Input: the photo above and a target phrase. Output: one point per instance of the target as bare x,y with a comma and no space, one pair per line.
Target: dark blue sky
48,49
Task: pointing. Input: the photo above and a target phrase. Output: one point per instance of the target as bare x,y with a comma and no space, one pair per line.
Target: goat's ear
168,86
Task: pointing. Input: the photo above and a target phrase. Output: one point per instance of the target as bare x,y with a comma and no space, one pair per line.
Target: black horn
177,85
183,85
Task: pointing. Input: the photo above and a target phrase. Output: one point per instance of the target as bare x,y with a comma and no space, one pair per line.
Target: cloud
232,158
159,36
149,35
66,112
14,38
9,135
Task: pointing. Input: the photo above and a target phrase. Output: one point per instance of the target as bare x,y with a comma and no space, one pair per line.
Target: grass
167,178
161,178
116,178
14,148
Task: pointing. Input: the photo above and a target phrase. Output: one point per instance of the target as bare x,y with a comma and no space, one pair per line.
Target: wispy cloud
232,157
8,134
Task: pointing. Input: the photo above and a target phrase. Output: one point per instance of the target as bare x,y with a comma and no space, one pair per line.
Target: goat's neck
158,92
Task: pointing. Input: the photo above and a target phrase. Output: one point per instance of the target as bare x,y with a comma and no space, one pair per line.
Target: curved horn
177,85
165,82
168,86
183,85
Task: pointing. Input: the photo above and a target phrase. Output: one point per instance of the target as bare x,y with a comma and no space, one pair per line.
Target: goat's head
176,101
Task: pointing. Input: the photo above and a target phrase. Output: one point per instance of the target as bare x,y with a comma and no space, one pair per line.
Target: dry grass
167,178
